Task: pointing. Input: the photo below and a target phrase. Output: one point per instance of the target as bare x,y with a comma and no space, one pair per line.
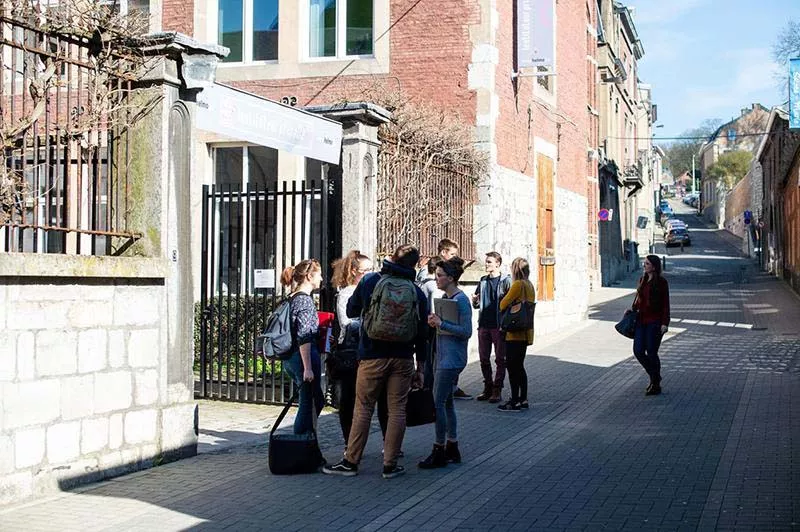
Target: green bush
232,323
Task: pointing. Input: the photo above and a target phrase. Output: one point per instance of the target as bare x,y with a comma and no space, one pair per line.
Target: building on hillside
779,221
626,115
535,124
740,134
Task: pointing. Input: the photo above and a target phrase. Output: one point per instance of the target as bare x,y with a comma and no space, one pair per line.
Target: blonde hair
520,269
345,269
296,274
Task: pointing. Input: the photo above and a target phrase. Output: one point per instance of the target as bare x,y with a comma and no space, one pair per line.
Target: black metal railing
249,237
65,179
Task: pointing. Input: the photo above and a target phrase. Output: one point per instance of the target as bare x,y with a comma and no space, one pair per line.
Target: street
719,449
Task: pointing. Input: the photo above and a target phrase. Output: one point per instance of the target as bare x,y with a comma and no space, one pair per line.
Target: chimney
745,111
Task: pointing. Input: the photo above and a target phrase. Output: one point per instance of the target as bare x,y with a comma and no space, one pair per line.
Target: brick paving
719,449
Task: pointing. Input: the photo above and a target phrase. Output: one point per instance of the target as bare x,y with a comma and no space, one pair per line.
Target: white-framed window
249,28
340,28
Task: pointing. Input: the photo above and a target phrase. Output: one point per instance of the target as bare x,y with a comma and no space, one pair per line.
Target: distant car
690,198
677,236
674,223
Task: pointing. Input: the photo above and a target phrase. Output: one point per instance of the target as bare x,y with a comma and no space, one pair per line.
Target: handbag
292,454
627,325
420,409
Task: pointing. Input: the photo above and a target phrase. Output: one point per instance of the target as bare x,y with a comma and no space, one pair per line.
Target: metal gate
249,237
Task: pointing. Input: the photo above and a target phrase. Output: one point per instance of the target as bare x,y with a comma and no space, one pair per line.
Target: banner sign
244,116
535,44
794,93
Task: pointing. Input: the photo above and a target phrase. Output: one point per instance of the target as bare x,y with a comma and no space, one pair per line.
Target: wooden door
546,249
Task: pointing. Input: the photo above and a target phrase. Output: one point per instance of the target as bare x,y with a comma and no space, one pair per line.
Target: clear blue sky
709,58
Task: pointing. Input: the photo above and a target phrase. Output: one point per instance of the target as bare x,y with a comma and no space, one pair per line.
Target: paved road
719,449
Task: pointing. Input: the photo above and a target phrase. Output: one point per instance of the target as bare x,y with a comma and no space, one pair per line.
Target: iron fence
421,201
249,237
66,186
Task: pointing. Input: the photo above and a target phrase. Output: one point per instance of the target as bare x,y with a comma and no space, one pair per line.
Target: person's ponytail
287,275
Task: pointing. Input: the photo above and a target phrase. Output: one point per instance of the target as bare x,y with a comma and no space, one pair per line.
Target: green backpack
393,313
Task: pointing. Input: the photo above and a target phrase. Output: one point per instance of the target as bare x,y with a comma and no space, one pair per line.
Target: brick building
779,156
539,130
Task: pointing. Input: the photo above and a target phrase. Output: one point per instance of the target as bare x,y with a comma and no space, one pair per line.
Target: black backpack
276,341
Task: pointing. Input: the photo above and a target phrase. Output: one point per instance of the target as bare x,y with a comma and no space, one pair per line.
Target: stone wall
737,201
84,389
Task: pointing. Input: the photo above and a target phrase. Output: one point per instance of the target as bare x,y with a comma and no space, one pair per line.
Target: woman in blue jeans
304,366
452,338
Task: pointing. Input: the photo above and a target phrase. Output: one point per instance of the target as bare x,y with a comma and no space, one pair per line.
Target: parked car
677,236
673,223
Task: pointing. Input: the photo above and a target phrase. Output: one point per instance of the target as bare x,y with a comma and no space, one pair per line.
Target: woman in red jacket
652,302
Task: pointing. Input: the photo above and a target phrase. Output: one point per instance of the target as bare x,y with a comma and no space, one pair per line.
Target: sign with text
535,43
794,93
244,116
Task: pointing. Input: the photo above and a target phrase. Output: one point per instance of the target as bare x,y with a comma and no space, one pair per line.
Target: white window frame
341,34
247,34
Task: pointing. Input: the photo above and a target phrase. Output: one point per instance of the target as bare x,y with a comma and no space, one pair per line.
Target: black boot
486,394
451,452
435,460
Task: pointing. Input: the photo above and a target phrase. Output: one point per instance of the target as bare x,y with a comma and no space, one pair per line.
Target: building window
340,28
249,28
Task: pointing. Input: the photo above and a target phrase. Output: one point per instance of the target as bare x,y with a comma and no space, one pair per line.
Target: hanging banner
243,116
794,93
535,44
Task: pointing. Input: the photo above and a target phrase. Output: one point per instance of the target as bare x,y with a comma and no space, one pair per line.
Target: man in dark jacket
490,291
384,364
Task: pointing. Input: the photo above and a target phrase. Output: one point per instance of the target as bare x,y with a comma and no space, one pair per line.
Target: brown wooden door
546,250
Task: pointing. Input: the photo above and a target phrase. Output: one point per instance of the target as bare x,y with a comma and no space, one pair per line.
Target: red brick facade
178,15
430,56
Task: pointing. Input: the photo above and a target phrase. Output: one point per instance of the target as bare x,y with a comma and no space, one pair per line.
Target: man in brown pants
383,362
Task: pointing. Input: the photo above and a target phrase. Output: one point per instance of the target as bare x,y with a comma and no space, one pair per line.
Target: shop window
340,28
249,28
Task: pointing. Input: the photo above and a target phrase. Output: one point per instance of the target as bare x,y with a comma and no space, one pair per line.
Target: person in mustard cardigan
517,342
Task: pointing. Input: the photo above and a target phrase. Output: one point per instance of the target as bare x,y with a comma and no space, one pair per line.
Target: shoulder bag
518,316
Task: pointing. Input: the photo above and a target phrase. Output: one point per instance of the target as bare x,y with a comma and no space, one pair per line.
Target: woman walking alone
652,302
517,342
304,366
451,359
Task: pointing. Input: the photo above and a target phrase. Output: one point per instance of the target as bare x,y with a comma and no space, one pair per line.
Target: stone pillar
359,171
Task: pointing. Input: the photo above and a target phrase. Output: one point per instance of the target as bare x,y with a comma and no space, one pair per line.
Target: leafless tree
113,60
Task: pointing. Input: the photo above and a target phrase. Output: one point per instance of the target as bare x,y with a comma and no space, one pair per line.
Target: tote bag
292,454
420,409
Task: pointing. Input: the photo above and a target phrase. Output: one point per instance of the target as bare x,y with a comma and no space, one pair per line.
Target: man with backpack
394,328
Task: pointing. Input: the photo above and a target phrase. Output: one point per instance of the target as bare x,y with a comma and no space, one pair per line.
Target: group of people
391,340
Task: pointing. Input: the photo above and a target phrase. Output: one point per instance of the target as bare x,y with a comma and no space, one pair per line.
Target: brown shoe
497,395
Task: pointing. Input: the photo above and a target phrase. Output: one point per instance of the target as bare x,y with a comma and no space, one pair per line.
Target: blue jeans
646,341
294,368
446,422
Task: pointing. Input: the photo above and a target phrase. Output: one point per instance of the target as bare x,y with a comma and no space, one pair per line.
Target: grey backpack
276,340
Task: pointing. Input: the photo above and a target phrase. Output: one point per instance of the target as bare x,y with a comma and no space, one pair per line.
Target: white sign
263,278
244,116
535,44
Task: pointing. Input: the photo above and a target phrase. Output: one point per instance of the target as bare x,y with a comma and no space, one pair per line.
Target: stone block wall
84,389
737,201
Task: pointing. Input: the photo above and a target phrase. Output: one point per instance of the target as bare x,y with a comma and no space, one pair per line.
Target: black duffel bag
292,454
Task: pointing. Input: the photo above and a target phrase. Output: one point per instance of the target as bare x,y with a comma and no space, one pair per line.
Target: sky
709,59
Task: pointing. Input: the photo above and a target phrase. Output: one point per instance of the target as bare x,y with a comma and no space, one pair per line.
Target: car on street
673,223
678,236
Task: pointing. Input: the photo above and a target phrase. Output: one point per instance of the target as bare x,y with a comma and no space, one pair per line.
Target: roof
775,112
